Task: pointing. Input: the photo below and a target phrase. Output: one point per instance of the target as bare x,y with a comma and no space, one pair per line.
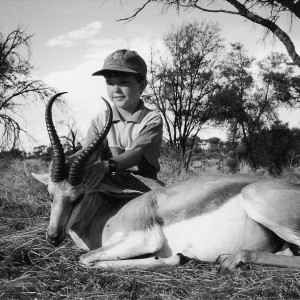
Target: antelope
236,219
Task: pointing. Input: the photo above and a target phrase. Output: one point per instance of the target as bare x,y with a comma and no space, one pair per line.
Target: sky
71,39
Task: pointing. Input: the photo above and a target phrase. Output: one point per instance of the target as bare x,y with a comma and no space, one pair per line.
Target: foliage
17,87
277,148
248,101
13,153
182,85
267,13
42,152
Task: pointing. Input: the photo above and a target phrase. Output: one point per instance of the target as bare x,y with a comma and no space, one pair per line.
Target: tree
249,105
266,13
181,86
72,140
278,147
13,154
40,151
17,87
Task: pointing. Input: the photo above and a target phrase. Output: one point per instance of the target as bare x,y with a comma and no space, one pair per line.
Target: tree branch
283,37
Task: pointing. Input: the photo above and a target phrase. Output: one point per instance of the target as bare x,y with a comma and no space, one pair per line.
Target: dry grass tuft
30,268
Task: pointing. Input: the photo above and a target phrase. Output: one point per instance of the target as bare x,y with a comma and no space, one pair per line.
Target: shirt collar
135,118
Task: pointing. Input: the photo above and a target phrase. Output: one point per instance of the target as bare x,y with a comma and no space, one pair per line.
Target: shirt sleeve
149,140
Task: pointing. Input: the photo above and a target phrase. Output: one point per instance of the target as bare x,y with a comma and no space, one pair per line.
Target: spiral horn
58,167
75,176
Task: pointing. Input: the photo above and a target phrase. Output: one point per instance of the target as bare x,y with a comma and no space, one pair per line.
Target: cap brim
114,68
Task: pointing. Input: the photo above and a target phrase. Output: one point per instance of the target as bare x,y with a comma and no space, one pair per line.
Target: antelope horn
77,167
58,167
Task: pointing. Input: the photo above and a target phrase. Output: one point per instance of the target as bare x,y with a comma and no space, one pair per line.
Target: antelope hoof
229,263
86,260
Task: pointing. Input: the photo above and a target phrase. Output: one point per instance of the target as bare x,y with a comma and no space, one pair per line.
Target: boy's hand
95,173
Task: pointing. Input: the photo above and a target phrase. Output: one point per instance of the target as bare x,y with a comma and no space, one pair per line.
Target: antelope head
65,183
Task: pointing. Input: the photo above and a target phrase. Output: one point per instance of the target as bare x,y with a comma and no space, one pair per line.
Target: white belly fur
205,237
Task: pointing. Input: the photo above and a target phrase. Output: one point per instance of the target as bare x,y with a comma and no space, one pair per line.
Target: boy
133,144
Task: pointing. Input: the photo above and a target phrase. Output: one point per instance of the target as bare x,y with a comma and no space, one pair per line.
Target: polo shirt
142,133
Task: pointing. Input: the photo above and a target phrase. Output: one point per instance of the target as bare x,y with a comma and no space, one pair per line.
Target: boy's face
124,90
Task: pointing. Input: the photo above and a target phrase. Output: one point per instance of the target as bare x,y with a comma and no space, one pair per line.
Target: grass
30,268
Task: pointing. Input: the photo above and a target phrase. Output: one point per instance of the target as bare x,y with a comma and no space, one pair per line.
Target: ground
30,268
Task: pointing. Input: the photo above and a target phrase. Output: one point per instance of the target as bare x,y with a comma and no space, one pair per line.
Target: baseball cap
124,61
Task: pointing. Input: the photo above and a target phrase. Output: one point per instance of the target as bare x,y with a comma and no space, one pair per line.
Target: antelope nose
54,238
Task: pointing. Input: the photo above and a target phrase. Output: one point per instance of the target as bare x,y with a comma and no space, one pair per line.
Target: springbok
243,219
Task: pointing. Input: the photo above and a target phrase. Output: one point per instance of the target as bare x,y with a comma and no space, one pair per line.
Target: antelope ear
43,178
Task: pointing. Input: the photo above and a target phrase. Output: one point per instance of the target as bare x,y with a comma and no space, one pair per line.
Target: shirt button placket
123,137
